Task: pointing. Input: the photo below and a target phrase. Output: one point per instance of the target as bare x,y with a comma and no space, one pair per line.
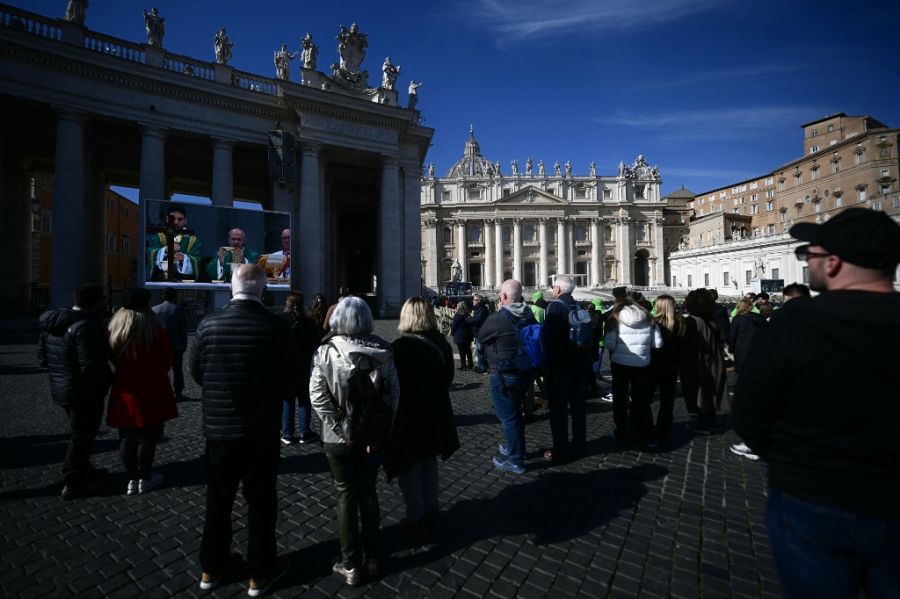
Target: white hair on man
248,280
565,283
352,317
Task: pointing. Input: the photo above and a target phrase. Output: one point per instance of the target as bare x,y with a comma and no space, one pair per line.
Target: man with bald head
228,256
500,342
284,271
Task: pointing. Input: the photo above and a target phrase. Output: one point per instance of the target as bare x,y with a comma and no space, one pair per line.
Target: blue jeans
420,488
508,395
822,551
289,408
479,356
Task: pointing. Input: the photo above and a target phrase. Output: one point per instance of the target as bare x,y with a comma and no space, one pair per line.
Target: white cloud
515,19
716,75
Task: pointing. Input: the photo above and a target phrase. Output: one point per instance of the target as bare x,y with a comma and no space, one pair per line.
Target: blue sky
712,91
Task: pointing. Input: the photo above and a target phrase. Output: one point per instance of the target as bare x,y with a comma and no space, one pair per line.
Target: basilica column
223,173
543,265
517,249
498,250
570,246
658,272
69,238
310,276
390,280
412,229
561,246
152,184
596,252
432,264
462,255
489,268
626,253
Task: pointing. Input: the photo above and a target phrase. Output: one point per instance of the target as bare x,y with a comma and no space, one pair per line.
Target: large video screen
202,244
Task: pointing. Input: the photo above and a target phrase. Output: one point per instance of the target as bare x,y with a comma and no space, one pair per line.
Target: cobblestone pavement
686,521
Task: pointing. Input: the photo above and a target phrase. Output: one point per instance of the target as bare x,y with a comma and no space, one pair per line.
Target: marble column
596,252
626,254
517,249
498,251
308,271
561,246
659,252
68,241
543,265
390,280
432,256
489,269
570,246
223,173
412,230
462,253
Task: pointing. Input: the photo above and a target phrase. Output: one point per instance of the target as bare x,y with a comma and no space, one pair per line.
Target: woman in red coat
141,398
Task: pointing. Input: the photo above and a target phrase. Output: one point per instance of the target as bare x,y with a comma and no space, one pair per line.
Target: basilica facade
485,226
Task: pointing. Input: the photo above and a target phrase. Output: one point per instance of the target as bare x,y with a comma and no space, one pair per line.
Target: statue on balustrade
556,169
75,10
390,71
352,51
592,169
540,168
528,166
283,60
568,168
156,27
515,167
413,93
222,46
310,53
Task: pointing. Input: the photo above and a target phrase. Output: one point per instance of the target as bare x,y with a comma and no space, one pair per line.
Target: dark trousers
252,461
635,417
137,448
355,474
567,388
84,423
465,354
664,376
178,373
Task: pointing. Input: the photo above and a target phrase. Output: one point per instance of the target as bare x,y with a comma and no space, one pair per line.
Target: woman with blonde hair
664,362
424,426
141,398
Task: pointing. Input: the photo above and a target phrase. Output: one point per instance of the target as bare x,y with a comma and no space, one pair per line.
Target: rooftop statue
540,168
497,167
75,10
156,27
390,70
283,60
515,167
310,52
556,169
568,168
431,170
641,170
413,92
593,169
352,51
222,46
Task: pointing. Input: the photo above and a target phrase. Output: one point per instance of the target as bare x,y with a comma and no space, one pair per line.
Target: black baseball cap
867,238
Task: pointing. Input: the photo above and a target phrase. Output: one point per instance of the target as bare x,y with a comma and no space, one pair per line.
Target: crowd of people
387,405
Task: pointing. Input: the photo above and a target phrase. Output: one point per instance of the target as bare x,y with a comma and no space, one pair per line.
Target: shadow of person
39,450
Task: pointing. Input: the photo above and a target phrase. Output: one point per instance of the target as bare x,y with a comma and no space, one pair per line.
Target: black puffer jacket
73,347
246,361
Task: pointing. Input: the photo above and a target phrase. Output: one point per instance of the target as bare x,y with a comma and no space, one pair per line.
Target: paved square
682,522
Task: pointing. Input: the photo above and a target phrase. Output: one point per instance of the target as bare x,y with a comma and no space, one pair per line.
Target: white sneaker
741,449
145,485
132,487
607,398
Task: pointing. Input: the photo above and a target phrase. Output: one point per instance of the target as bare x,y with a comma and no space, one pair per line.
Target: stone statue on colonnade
75,11
222,46
156,27
310,53
283,60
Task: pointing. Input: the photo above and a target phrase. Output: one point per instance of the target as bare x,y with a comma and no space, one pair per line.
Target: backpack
581,327
530,353
365,419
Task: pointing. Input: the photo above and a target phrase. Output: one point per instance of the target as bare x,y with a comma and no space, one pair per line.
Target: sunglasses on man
803,253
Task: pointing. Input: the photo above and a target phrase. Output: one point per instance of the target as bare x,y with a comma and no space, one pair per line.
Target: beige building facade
739,232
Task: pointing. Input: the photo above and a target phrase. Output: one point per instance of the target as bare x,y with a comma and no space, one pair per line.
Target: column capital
222,143
148,130
390,161
596,220
310,149
517,221
561,220
65,113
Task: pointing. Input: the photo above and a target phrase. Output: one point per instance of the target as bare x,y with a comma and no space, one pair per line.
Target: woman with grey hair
349,349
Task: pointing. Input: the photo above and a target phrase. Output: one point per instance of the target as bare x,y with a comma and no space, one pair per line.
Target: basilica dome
472,164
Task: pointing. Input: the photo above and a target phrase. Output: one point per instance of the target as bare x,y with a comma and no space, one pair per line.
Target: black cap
135,299
866,238
619,292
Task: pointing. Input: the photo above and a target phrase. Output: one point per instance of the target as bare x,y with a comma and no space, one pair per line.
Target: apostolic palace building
485,225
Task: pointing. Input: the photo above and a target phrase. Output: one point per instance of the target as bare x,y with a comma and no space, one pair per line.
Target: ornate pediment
530,196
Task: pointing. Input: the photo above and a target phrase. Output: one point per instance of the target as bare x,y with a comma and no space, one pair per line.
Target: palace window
836,165
474,234
551,190
815,173
580,193
690,281
111,242
474,193
754,209
507,234
125,211
607,194
782,184
126,246
884,152
770,205
775,273
448,236
770,229
445,195
528,234
876,205
860,156
726,279
506,192
748,274
814,149
861,193
770,181
580,233
885,189
838,200
798,178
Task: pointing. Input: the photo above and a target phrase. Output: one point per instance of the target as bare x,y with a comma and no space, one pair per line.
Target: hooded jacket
630,341
820,401
498,336
73,347
334,363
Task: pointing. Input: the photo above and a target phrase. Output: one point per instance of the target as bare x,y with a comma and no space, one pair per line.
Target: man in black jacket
480,313
73,347
499,338
246,361
829,435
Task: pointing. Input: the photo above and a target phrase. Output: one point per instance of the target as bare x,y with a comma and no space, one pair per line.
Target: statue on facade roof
568,168
641,170
283,60
413,93
497,167
515,167
222,46
528,166
390,70
623,170
352,51
540,168
156,27
310,52
431,170
556,169
75,10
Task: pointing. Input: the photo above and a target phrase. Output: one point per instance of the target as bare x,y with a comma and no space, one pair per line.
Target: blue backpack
530,354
